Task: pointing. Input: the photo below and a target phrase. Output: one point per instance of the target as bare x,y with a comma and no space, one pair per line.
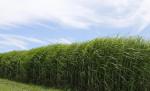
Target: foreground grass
6,85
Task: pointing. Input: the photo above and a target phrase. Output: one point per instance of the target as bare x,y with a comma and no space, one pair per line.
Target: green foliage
6,85
106,64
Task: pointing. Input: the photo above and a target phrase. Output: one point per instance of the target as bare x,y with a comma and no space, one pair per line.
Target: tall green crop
105,64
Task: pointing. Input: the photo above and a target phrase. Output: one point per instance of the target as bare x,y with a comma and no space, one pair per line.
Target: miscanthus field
103,64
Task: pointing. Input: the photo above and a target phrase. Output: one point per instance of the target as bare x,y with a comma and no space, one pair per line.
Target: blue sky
26,24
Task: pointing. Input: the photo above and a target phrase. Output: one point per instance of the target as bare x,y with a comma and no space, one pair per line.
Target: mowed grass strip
6,85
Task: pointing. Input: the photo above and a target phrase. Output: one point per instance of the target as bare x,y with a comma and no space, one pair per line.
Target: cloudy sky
26,24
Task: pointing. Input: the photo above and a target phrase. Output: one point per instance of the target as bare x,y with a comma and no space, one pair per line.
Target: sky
26,24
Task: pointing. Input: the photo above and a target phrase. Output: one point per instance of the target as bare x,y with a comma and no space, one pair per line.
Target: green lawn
6,85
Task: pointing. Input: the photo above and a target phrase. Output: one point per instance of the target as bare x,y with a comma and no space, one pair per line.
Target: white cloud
16,42
60,40
77,13
20,42
25,11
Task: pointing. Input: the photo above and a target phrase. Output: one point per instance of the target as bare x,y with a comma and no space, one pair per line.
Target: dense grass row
106,64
